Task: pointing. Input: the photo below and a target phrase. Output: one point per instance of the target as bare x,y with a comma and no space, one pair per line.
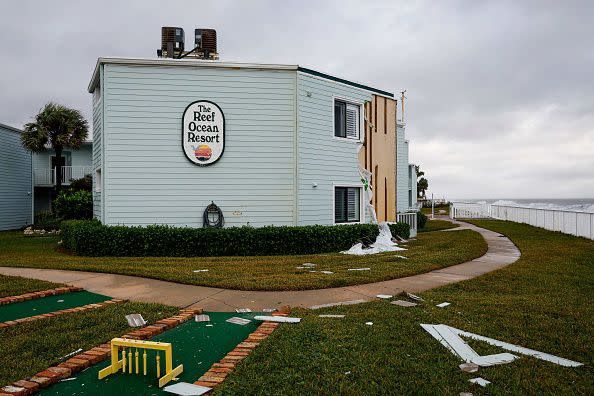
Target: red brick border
39,294
60,312
219,371
88,358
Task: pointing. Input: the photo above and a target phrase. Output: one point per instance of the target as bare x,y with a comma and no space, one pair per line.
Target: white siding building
283,161
16,189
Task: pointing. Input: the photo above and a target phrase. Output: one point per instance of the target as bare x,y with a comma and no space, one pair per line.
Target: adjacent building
16,189
75,164
268,144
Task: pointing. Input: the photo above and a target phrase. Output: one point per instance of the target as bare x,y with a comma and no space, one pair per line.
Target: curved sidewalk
501,252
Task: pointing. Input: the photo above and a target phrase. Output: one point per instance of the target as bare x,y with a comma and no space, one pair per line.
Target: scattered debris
202,318
347,372
268,309
450,338
351,302
312,271
209,325
384,296
327,272
300,267
187,389
414,297
465,394
308,265
279,319
402,257
200,270
239,321
469,367
331,316
243,310
402,303
443,304
30,231
383,243
79,350
359,269
68,379
369,323
480,381
135,320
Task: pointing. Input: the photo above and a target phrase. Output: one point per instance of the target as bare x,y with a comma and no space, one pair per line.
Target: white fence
409,218
565,221
469,210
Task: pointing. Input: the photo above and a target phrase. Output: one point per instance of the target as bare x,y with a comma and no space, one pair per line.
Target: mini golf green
48,304
195,345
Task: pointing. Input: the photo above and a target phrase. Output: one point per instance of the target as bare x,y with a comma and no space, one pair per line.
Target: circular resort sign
203,132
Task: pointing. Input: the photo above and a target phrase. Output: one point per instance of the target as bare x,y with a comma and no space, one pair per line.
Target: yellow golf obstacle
116,365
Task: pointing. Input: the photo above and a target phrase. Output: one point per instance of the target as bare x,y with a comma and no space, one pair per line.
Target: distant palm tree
58,126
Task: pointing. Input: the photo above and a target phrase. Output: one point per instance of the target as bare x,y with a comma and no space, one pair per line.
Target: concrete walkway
501,253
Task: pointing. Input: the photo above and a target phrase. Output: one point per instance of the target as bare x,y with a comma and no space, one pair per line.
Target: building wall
379,154
97,155
148,180
402,181
80,157
16,187
323,159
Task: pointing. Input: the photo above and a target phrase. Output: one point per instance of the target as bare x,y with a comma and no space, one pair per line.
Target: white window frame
361,203
355,102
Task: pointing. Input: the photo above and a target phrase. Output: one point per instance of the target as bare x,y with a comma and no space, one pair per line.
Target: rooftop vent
172,44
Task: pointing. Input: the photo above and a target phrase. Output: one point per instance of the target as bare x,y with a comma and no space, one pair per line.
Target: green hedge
401,229
91,238
421,220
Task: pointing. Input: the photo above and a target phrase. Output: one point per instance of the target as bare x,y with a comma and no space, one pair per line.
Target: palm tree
58,126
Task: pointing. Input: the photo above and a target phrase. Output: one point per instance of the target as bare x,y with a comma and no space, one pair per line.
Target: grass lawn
428,252
15,285
31,347
427,211
438,225
543,302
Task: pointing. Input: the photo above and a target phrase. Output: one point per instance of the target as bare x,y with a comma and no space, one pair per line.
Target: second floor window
346,120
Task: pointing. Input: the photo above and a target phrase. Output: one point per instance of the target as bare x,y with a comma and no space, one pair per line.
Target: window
98,180
346,120
347,204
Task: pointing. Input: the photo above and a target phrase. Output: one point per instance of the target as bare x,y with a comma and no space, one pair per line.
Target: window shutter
352,121
353,204
339,204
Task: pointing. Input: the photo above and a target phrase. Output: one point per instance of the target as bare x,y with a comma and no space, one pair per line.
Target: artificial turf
543,301
31,347
428,252
195,345
15,285
40,306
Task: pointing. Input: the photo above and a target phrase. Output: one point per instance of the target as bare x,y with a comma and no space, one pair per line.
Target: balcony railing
47,176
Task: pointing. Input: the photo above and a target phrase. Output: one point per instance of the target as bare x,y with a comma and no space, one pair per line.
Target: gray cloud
500,94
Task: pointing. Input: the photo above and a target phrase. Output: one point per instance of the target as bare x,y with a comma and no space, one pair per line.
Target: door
54,164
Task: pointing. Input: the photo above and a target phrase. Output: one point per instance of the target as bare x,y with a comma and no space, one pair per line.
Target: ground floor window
347,208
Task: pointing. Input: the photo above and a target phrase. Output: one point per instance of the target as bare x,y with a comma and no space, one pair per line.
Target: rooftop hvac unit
206,39
172,42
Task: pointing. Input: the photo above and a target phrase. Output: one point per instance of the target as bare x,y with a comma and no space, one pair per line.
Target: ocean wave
589,208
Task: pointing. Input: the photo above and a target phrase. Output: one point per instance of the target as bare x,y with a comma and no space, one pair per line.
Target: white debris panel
450,337
279,319
383,243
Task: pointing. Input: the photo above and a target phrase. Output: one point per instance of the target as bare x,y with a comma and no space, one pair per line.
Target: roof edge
178,62
343,81
12,129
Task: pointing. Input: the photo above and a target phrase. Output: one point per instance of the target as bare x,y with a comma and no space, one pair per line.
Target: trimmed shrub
74,205
45,220
91,238
401,229
421,220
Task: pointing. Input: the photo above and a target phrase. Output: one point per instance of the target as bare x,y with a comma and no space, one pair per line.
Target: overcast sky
500,94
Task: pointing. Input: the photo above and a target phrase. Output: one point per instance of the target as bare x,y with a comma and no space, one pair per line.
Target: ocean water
578,204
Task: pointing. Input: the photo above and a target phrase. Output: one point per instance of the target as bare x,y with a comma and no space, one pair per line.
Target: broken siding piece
518,349
280,319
